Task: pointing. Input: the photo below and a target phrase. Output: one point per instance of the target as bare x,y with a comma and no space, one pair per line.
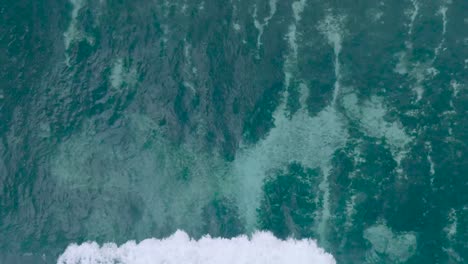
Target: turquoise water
340,121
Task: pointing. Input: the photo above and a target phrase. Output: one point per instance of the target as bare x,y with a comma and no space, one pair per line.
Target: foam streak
443,12
260,26
331,28
414,14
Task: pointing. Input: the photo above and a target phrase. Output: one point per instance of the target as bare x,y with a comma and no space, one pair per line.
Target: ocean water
209,131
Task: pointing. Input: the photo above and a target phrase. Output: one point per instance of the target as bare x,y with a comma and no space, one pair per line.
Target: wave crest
261,248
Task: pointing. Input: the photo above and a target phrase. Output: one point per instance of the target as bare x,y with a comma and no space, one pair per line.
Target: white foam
350,211
396,247
420,70
455,87
414,14
304,91
120,75
429,159
116,74
370,114
331,28
443,12
420,73
92,159
290,64
183,8
190,70
272,4
377,16
419,90
72,32
202,5
180,248
310,140
302,138
402,65
291,36
451,228
298,8
261,25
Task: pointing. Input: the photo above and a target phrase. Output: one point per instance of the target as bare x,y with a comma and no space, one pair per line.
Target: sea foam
262,247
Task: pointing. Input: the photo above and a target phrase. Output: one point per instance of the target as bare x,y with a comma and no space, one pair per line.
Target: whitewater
261,248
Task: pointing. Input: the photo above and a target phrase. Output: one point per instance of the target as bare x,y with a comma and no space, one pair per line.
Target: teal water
341,121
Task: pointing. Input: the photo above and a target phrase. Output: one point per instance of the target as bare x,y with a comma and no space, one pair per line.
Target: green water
342,121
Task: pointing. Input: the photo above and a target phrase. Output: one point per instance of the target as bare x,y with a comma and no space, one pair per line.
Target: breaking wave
262,247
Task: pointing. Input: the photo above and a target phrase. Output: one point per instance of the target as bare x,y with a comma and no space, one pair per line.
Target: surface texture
341,121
